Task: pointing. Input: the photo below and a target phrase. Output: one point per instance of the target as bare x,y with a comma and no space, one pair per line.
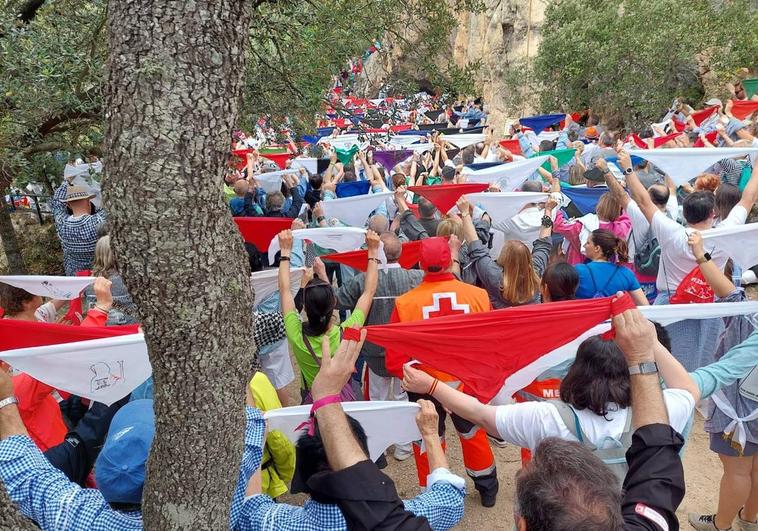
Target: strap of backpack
626,435
611,277
594,284
569,418
313,355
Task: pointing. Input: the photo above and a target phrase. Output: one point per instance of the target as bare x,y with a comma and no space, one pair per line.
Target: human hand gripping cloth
354,210
684,164
384,422
63,288
100,363
508,176
271,182
496,343
538,123
564,156
346,154
700,116
444,196
658,141
260,231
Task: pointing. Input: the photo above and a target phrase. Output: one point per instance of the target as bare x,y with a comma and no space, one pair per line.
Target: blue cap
120,467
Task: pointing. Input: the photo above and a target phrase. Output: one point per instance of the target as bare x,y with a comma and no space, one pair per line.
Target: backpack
647,257
599,293
614,457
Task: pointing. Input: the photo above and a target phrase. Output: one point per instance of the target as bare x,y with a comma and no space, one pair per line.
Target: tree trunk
175,73
13,254
11,517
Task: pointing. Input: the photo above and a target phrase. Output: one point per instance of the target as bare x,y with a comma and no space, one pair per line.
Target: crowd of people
402,210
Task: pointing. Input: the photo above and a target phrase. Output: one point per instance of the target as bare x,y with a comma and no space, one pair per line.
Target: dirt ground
701,467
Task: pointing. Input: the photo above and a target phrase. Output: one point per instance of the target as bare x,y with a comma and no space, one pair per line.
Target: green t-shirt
294,329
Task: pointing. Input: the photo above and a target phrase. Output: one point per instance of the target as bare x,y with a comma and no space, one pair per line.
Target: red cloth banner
260,231
660,140
743,109
444,196
359,259
279,158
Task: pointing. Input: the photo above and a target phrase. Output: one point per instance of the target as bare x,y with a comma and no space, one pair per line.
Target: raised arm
614,186
372,273
750,193
638,191
286,300
721,285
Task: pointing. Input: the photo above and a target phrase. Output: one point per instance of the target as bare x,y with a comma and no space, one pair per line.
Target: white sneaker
403,452
748,277
704,522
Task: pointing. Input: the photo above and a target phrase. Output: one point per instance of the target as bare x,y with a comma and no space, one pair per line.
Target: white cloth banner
309,163
664,314
104,370
740,243
421,147
271,182
354,211
502,206
384,422
63,288
684,164
339,239
405,140
464,140
84,169
266,283
508,176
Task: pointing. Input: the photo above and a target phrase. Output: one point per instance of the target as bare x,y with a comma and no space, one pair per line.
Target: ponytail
611,246
622,251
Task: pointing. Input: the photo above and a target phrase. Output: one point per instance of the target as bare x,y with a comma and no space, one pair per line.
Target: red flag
637,141
512,145
27,334
279,158
700,116
660,140
359,259
743,109
679,126
444,196
400,127
483,349
260,231
711,137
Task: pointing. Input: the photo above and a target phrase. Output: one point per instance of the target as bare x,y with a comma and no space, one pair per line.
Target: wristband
375,260
310,424
320,219
433,387
8,401
97,307
547,221
284,258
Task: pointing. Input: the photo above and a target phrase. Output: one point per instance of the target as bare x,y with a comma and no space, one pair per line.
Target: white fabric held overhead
339,239
508,176
104,370
684,164
740,243
266,283
464,140
384,422
63,288
354,211
502,206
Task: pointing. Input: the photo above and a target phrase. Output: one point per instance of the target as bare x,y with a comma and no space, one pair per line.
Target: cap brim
77,198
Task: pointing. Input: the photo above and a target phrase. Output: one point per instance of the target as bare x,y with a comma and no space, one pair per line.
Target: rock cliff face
503,35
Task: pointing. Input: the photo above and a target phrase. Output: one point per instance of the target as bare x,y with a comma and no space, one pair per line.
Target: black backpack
647,257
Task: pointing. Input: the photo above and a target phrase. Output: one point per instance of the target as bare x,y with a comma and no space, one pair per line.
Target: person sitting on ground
605,275
319,303
439,507
78,231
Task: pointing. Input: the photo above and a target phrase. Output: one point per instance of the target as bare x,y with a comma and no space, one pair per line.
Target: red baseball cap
434,253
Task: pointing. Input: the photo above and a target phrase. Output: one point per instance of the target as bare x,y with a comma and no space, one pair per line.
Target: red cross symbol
445,303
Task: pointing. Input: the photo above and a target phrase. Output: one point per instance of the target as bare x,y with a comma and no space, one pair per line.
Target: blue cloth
482,165
143,390
353,188
585,199
311,139
539,123
604,279
324,131
45,495
412,132
635,160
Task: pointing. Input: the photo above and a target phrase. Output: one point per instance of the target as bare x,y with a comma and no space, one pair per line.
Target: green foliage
628,59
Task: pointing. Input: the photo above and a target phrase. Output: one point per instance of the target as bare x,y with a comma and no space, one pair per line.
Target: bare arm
286,300
372,274
750,193
638,191
427,421
674,375
469,231
617,191
719,282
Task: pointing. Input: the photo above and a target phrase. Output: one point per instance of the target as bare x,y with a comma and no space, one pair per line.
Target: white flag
464,140
266,283
339,239
63,288
502,206
508,176
354,211
740,243
684,164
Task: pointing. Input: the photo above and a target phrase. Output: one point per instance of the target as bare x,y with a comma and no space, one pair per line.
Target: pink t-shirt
571,231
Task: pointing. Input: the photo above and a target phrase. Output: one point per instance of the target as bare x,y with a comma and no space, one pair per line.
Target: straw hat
77,192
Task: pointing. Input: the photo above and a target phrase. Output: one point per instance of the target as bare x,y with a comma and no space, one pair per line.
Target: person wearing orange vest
440,294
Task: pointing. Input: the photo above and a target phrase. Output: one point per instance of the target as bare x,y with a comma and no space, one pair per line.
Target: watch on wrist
547,221
705,258
647,367
8,401
628,170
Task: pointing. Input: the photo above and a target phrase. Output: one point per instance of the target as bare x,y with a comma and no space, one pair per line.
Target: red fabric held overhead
444,196
27,334
660,140
260,231
743,109
359,259
483,349
700,116
279,158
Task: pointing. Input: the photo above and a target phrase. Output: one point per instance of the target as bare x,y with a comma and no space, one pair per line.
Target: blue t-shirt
608,279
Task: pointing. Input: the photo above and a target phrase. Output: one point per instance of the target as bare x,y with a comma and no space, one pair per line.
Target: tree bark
175,78
13,254
11,517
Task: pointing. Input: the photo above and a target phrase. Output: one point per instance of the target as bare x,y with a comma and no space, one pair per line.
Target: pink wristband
325,401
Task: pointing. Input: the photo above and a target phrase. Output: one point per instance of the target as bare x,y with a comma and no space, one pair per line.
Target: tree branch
52,124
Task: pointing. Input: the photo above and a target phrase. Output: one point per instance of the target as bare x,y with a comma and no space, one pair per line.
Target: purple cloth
539,123
389,159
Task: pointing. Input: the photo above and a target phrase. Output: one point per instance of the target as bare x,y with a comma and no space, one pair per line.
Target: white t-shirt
640,224
677,259
46,313
529,423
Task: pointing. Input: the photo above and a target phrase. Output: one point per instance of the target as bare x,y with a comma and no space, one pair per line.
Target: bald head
531,186
379,224
241,187
392,247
